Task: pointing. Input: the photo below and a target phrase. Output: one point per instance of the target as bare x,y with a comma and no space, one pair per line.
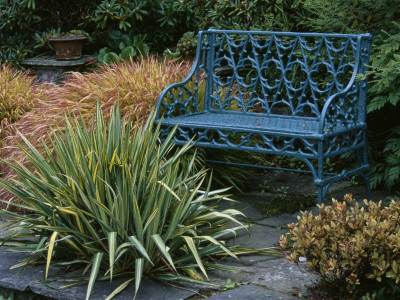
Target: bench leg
322,191
362,157
321,195
318,181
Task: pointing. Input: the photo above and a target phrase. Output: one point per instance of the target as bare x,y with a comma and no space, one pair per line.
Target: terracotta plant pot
68,47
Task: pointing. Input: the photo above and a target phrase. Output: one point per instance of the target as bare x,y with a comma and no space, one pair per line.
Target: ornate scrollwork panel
259,142
343,142
278,74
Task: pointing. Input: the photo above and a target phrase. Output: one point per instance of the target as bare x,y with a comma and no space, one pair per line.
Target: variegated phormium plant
121,202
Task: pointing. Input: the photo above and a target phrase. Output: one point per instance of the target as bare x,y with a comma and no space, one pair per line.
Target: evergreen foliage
249,15
26,25
350,16
385,105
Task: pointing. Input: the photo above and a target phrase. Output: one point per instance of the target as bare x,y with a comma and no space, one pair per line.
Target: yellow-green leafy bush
348,244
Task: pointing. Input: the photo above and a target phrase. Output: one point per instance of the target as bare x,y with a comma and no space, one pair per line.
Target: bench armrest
178,99
185,97
341,110
347,108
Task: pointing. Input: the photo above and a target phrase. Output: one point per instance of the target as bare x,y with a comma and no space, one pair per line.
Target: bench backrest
280,73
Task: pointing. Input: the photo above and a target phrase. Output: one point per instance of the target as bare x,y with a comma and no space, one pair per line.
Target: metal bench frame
295,94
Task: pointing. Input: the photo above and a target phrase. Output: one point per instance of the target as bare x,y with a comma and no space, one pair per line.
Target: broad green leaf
128,53
111,57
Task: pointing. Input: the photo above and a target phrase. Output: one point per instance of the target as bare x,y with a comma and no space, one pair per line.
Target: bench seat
259,123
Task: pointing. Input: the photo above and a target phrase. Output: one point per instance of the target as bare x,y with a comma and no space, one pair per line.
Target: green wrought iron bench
295,94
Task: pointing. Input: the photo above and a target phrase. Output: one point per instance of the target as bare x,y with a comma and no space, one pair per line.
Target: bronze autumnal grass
17,96
136,85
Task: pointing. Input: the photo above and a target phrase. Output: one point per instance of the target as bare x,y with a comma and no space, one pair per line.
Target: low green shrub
388,290
122,46
385,105
113,199
349,246
187,45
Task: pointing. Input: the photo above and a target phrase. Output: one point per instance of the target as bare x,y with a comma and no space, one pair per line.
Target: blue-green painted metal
283,93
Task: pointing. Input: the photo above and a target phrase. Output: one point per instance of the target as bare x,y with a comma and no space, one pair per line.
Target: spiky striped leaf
112,245
96,262
50,252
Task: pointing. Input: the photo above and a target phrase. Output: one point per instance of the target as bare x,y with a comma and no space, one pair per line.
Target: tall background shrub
256,14
25,25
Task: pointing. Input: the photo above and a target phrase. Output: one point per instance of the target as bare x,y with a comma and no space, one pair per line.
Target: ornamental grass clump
113,199
17,95
350,246
136,85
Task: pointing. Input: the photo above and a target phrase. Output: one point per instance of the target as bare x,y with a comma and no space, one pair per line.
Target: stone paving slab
30,278
258,236
247,204
275,274
279,221
251,292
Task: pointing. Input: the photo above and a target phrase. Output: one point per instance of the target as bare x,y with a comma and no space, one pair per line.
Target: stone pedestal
49,69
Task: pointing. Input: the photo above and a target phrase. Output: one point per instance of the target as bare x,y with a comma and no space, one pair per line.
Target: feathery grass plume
121,205
136,85
17,96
